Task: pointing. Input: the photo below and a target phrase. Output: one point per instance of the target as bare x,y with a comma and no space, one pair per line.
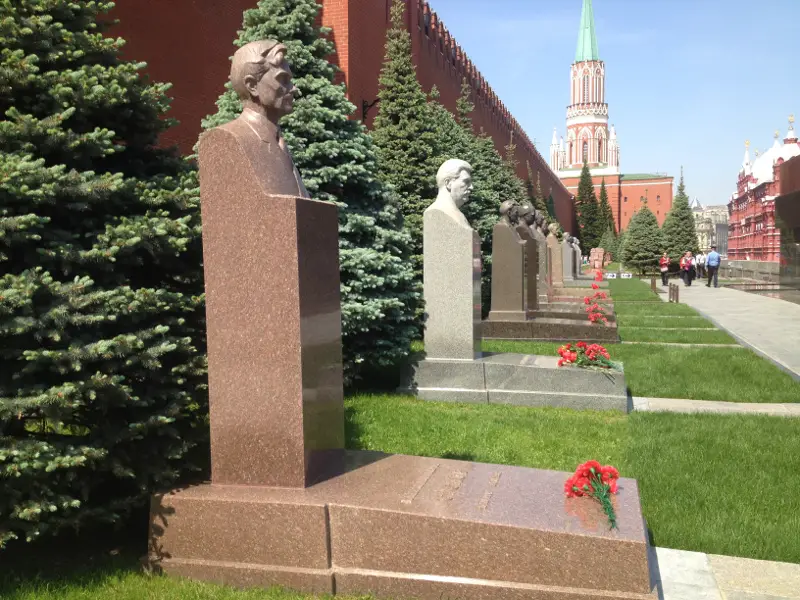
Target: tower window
625,200
585,151
658,198
600,150
586,88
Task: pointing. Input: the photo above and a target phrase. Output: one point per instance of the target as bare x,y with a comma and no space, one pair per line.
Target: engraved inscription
412,493
484,503
453,484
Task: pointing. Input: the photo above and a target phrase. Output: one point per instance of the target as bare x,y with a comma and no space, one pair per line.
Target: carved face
275,90
460,188
527,213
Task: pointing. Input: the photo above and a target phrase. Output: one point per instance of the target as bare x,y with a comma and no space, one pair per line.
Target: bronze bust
262,78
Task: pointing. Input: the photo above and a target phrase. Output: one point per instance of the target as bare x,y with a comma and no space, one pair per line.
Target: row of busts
515,214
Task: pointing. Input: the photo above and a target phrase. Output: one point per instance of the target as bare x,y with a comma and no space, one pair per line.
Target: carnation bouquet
595,481
587,356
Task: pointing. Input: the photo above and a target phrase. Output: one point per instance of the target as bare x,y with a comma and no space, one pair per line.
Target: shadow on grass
85,559
468,456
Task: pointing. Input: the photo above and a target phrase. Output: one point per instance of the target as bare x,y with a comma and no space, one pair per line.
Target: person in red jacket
687,268
663,265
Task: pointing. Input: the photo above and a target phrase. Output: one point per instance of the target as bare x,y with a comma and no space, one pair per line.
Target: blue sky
687,81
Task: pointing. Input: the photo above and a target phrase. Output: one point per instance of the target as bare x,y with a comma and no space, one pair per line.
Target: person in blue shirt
712,266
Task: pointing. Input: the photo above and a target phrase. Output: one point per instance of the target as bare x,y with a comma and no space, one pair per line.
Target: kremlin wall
197,65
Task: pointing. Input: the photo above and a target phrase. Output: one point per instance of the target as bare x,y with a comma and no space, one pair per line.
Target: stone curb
684,575
756,349
733,345
784,409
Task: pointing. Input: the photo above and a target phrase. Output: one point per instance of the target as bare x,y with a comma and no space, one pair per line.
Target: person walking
712,266
687,269
663,265
701,265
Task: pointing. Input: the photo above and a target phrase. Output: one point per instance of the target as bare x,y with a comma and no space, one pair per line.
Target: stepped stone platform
566,310
521,379
398,526
548,328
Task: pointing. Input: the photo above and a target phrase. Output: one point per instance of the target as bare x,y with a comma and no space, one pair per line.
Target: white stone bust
454,180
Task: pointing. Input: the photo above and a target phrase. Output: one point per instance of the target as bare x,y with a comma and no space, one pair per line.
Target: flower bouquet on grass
586,356
595,481
597,313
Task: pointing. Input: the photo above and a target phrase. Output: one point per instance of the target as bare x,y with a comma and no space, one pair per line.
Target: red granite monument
286,504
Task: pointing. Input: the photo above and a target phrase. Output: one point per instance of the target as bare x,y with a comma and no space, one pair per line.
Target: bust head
539,217
527,213
262,78
566,236
509,212
553,228
455,179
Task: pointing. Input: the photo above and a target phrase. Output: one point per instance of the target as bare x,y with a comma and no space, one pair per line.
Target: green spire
587,40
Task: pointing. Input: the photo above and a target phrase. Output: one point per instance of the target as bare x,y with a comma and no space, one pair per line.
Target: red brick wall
189,43
657,191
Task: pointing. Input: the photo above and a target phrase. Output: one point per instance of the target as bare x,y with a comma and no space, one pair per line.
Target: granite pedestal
287,505
558,329
399,526
567,260
523,379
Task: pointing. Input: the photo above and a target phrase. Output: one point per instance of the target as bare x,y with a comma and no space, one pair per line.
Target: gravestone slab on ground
286,505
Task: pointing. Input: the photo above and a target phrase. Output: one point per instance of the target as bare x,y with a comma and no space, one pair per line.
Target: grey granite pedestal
521,379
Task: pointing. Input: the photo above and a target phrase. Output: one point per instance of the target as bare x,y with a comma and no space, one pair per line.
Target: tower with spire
592,140
589,138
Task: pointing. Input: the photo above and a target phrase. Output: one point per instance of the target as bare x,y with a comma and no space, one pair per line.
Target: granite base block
574,291
521,379
584,282
567,310
400,526
562,329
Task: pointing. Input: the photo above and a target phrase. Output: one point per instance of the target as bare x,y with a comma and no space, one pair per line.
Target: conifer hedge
102,343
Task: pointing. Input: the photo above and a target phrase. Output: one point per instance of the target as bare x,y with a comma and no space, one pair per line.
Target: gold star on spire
747,143
777,134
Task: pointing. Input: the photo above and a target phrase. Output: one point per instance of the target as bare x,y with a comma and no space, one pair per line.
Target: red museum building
197,64
752,234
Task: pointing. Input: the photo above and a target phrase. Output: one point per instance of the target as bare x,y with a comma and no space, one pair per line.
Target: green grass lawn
721,484
683,336
730,374
662,321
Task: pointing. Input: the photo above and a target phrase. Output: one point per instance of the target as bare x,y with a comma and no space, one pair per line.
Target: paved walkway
767,325
685,575
786,409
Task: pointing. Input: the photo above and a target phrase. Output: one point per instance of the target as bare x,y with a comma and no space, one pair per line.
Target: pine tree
606,215
587,209
679,230
337,161
551,207
102,335
608,242
644,242
535,192
465,106
403,132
